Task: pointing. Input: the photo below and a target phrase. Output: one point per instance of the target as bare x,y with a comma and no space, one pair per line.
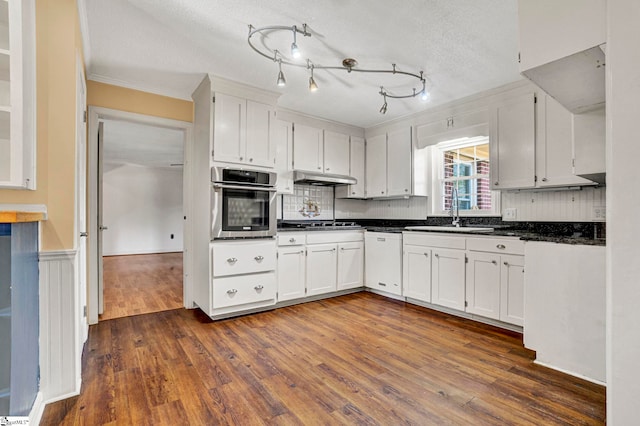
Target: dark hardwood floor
141,284
356,359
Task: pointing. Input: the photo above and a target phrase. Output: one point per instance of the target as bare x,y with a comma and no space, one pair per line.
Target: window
463,165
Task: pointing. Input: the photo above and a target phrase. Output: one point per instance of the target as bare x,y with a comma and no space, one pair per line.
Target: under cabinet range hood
322,179
576,81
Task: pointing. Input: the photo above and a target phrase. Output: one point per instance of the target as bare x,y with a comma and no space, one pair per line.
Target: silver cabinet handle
382,284
333,249
501,246
250,159
406,190
426,255
232,291
240,158
84,234
495,183
292,240
327,169
382,239
301,251
436,255
494,262
259,258
259,287
319,168
342,248
544,179
232,260
382,192
506,263
103,228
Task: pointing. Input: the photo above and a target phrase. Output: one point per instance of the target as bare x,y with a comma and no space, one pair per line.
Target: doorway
139,206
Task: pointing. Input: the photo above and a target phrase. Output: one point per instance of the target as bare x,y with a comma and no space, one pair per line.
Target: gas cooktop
319,224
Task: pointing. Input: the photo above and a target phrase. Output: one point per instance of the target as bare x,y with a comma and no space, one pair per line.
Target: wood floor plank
356,359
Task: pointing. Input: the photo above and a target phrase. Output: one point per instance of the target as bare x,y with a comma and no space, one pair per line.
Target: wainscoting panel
59,324
555,206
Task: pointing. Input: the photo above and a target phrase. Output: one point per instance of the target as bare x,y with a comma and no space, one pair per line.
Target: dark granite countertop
561,233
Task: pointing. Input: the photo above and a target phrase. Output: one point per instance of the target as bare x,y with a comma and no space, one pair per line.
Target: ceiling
127,143
463,47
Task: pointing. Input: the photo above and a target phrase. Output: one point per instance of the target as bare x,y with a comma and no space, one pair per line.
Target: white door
399,162
81,201
512,289
483,285
260,144
416,278
447,285
291,273
350,265
321,268
336,153
376,166
307,148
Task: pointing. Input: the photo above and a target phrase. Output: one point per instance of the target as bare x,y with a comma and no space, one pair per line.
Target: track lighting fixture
312,83
349,64
281,80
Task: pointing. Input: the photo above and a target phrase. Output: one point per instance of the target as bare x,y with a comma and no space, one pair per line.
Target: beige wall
57,38
123,99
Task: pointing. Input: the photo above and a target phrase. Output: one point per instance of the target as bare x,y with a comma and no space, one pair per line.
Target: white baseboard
571,373
37,410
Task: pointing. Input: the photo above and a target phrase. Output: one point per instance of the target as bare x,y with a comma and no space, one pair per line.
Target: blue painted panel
25,318
5,229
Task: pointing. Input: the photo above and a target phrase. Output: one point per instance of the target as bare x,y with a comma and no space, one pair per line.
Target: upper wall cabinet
512,143
389,168
243,131
320,151
559,49
356,170
17,94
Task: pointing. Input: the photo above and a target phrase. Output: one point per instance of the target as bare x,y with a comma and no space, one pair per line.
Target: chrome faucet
454,197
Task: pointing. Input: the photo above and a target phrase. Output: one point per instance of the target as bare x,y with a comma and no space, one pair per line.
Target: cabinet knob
333,249
341,248
382,284
259,258
544,179
506,263
328,169
494,262
426,255
232,291
501,246
495,183
406,190
250,159
241,158
436,255
292,240
259,287
353,193
232,260
382,192
319,168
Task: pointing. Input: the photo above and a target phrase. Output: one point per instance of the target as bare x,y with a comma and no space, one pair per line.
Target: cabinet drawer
243,257
434,240
493,245
244,290
292,239
328,237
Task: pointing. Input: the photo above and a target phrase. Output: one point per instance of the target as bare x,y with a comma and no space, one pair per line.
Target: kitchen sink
449,228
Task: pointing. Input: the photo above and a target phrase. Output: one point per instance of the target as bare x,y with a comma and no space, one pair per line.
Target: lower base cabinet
512,289
416,272
448,280
383,262
291,273
322,268
350,265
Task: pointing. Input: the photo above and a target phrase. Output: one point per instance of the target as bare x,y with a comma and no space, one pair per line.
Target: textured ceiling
463,46
141,145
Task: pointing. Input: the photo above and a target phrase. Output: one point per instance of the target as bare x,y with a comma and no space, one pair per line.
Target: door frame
96,115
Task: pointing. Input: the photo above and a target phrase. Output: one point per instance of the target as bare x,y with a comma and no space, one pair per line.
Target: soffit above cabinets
464,47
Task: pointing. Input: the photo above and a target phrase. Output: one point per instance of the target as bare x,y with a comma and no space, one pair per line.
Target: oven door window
245,210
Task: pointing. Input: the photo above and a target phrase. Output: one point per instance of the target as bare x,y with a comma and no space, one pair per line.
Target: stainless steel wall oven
243,203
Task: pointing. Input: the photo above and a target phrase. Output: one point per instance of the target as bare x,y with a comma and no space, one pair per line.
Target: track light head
424,95
281,80
383,110
295,52
313,87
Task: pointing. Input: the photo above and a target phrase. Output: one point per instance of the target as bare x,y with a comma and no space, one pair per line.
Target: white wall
142,208
623,226
412,208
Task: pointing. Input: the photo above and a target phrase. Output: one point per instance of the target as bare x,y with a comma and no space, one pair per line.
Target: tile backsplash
308,202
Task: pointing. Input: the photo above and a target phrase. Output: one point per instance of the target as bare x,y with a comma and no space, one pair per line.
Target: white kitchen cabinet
350,265
554,145
512,143
565,307
483,284
308,148
356,170
399,164
589,145
17,94
416,272
291,272
383,262
283,134
336,153
376,166
243,131
448,278
512,289
322,268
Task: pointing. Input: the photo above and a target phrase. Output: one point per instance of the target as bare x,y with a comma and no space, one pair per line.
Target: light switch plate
510,214
599,214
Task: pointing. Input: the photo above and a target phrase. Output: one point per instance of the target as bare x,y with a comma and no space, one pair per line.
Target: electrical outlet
510,214
599,213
